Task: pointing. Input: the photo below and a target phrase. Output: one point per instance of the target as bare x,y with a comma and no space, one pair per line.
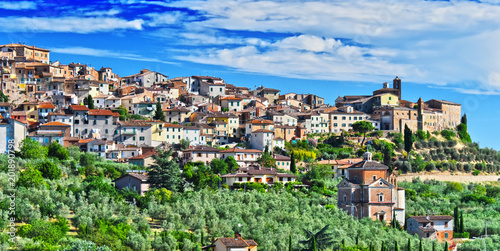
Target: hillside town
128,119
49,101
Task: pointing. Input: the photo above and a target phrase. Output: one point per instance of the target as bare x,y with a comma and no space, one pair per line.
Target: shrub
468,167
447,134
476,172
49,170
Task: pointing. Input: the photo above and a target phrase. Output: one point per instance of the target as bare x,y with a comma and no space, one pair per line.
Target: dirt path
449,177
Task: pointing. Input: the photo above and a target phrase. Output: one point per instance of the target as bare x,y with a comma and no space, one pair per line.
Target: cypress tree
159,115
433,246
293,168
409,244
343,244
90,102
408,140
202,241
371,246
461,230
314,244
446,248
421,248
357,240
456,216
290,247
464,119
396,247
383,246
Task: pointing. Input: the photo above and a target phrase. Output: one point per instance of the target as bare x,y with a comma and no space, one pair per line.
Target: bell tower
396,84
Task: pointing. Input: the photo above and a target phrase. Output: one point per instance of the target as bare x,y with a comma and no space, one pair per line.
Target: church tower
420,118
396,84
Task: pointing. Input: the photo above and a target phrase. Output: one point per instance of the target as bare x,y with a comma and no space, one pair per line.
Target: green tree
90,102
266,160
456,227
396,247
57,151
159,114
314,248
446,248
3,97
363,127
218,166
421,248
47,232
387,151
49,170
165,173
290,246
30,177
463,134
464,119
184,144
461,230
232,165
31,149
322,239
293,167
408,139
409,245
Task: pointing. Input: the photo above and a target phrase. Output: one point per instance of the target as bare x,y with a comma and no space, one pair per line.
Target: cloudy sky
440,49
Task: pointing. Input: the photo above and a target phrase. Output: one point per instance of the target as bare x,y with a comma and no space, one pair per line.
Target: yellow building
31,109
231,121
158,134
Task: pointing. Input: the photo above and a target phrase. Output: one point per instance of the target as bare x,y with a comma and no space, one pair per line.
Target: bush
447,134
430,166
465,235
49,170
476,172
468,167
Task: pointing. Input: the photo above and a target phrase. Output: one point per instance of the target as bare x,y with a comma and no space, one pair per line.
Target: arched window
380,197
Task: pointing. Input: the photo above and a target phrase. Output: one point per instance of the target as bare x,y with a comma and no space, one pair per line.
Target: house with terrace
258,174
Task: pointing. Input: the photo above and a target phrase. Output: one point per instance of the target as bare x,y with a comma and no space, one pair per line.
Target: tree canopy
363,127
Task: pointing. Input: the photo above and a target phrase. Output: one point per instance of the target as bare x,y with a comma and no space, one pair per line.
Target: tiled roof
46,105
366,164
432,218
201,148
79,108
282,158
258,170
176,109
134,123
262,121
172,125
263,130
232,242
241,150
95,112
55,123
230,98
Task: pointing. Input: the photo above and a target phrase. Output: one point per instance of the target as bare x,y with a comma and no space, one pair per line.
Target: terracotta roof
46,105
241,150
282,158
230,98
232,242
134,123
176,109
263,130
4,104
365,164
55,123
222,115
262,121
432,218
427,229
85,141
143,156
257,170
79,108
172,125
286,175
201,148
95,112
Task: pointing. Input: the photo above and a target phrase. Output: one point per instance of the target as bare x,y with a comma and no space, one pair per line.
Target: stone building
370,192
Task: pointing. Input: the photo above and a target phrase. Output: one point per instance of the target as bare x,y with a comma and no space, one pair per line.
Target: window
343,117
141,138
380,197
345,197
446,224
106,130
374,177
446,235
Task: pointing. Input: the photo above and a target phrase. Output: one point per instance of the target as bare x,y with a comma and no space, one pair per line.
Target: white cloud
68,24
110,12
20,5
104,53
441,42
162,19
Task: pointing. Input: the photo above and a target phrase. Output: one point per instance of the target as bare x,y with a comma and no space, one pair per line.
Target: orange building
370,192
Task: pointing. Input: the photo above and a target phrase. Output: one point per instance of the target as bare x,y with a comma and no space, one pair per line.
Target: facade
134,182
173,133
244,157
231,104
370,192
134,132
257,174
204,154
232,244
193,136
261,138
282,162
435,227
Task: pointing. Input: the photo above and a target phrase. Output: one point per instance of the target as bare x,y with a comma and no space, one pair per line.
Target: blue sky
440,49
